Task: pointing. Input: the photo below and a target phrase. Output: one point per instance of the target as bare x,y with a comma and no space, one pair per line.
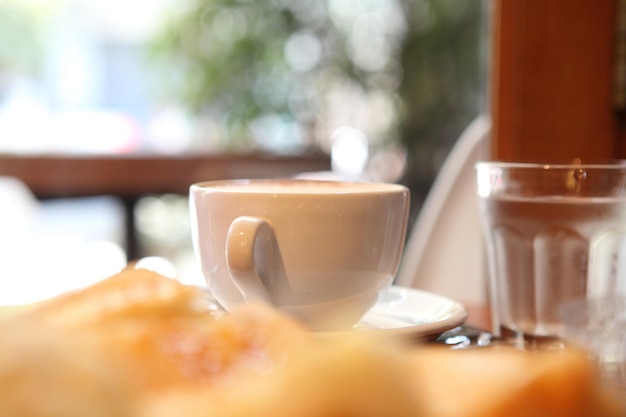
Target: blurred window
219,75
384,86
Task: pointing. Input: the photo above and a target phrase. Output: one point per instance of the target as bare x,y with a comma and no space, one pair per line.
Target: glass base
527,341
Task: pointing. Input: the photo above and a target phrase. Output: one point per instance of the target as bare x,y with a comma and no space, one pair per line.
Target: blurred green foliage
443,85
228,58
21,40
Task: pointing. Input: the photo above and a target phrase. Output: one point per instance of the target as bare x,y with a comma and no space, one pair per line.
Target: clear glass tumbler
553,233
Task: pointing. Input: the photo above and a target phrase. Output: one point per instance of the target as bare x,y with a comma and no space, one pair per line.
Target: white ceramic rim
357,187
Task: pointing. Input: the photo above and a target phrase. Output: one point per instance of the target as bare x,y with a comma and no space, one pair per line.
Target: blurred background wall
224,75
385,86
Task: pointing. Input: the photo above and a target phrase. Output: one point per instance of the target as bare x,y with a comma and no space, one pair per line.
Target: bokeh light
349,152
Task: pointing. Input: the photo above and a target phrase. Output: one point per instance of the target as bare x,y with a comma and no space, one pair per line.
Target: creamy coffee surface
298,186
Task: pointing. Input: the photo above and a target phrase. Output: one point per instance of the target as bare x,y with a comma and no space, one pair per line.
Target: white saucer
411,312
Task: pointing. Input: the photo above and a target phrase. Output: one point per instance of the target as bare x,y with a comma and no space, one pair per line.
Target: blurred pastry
142,345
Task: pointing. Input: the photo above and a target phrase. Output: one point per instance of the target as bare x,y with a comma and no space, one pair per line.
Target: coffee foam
299,186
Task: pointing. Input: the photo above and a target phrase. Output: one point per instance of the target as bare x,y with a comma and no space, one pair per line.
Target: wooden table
132,176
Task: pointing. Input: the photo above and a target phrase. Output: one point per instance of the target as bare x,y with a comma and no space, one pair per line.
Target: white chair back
444,252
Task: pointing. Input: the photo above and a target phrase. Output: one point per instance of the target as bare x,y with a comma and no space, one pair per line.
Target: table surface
133,175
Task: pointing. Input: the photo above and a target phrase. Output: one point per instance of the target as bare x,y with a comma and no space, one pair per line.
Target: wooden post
552,80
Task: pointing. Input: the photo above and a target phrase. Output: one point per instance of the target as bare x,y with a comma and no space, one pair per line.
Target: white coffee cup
319,250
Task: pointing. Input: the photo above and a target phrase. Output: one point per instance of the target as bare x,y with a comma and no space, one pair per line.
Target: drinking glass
552,233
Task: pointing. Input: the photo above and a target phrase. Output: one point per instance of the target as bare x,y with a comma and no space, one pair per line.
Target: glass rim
617,165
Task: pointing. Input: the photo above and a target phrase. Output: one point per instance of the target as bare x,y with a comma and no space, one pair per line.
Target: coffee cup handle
249,256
